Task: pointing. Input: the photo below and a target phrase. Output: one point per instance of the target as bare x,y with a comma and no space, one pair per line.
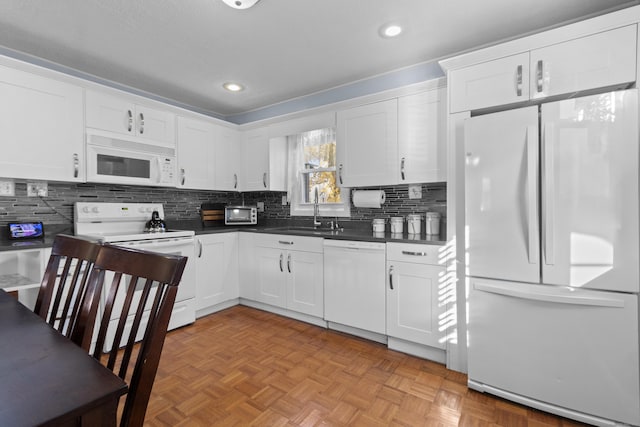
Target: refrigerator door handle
553,294
532,194
548,208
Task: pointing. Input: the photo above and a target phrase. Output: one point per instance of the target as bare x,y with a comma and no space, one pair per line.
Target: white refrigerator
551,207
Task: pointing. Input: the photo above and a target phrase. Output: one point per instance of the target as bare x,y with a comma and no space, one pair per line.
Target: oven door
117,166
184,308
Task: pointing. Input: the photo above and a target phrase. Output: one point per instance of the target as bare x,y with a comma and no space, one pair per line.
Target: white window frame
294,193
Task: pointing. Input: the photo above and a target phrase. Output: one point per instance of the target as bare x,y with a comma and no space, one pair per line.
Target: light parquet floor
246,367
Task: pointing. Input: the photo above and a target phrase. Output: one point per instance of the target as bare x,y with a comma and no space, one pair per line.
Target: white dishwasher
354,285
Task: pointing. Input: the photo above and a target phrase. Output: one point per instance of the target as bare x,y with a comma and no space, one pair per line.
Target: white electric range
124,224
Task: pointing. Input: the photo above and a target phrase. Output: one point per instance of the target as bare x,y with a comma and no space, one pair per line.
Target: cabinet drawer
420,254
294,243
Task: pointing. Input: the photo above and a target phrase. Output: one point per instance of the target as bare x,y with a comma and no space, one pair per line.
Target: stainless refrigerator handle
548,219
519,80
539,79
532,194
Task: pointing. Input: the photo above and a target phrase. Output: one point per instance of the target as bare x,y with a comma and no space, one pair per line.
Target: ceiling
184,50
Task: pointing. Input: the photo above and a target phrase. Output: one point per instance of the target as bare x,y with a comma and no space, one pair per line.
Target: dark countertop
352,230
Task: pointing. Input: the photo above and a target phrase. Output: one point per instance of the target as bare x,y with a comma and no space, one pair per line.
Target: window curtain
296,159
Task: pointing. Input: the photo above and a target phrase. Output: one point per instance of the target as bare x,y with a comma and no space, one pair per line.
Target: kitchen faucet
316,223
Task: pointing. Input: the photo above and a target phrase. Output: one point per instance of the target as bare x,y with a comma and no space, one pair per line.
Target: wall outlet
38,189
7,187
415,191
260,206
284,201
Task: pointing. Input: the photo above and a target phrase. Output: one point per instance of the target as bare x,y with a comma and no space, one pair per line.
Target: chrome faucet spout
316,223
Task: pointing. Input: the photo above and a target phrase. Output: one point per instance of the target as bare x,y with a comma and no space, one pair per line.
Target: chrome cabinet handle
183,176
539,76
76,165
235,181
281,270
284,242
340,173
264,179
141,123
129,120
199,248
289,263
414,253
391,277
402,168
519,81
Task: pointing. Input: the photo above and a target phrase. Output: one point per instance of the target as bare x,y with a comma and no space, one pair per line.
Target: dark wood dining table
46,380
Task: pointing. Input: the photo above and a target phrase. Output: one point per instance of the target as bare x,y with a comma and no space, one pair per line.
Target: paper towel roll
368,198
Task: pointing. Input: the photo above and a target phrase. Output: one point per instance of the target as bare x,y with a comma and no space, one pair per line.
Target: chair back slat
141,294
64,291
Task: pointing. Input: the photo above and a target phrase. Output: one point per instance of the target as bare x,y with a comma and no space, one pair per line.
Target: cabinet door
597,61
227,159
110,113
498,82
270,265
422,137
414,305
255,155
305,289
41,128
155,124
216,269
367,144
196,154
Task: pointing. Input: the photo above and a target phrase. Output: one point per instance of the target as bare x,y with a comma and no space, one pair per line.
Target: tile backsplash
57,207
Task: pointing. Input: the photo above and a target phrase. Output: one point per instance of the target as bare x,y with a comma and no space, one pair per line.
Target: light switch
7,187
260,206
415,191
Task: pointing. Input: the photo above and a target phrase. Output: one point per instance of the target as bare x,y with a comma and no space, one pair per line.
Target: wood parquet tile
246,367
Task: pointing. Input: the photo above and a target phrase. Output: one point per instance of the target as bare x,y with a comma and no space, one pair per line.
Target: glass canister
397,223
432,223
413,223
378,225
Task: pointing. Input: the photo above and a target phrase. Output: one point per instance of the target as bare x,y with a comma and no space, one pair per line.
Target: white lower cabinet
416,290
286,272
216,258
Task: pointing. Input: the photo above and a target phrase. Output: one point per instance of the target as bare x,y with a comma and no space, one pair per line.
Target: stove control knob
142,210
86,209
95,209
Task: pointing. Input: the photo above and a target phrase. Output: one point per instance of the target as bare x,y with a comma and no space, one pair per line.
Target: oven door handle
153,244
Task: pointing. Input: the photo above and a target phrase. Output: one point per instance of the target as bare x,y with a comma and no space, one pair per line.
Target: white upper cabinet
600,60
41,128
499,82
120,115
196,154
255,156
227,159
366,144
422,137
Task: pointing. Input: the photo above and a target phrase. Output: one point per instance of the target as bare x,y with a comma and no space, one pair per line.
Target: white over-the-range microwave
115,160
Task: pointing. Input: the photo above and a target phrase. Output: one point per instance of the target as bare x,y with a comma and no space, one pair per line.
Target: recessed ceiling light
240,4
233,87
390,30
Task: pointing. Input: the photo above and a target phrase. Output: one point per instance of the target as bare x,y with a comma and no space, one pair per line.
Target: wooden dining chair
141,289
63,290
